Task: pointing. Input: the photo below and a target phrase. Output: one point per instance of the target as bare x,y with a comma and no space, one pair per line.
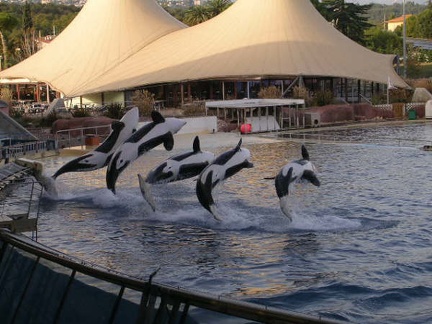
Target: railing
22,149
50,287
19,206
354,139
76,136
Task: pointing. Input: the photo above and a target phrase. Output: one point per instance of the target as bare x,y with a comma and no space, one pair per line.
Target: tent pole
47,93
290,86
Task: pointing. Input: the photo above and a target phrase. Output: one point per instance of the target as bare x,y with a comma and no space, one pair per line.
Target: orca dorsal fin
157,117
305,153
238,145
196,145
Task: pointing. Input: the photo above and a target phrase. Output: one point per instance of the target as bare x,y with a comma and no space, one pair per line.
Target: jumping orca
100,156
159,131
178,167
223,167
294,172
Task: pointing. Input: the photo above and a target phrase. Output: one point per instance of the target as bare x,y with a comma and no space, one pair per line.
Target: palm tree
196,15
215,7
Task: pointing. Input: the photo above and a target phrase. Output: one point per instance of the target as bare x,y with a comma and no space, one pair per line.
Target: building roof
398,19
251,39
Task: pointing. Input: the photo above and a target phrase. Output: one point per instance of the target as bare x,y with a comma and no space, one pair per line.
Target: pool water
359,248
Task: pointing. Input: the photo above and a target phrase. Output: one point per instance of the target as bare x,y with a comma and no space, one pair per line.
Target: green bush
323,98
80,112
114,111
48,120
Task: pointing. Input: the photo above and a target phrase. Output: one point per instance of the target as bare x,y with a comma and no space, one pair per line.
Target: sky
388,2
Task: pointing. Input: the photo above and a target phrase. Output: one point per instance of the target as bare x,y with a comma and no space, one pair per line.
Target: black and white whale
223,167
291,173
159,131
178,167
99,157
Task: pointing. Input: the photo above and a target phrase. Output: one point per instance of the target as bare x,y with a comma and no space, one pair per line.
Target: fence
27,148
47,286
77,136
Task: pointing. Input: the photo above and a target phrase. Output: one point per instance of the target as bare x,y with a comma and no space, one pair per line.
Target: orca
159,131
178,167
291,173
100,156
224,166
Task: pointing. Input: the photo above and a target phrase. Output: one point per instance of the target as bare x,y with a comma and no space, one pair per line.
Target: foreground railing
49,287
19,199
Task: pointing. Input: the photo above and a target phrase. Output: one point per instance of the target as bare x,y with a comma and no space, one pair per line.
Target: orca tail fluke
146,192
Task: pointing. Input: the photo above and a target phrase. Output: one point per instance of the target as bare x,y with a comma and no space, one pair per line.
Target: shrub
194,109
144,100
300,92
323,98
400,95
269,92
48,120
421,83
114,111
6,95
80,112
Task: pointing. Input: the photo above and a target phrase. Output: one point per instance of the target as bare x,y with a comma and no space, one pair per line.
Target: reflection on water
358,248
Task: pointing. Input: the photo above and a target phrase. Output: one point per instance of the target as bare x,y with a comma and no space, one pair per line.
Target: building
392,24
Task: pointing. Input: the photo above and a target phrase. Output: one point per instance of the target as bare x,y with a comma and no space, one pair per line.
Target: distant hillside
379,13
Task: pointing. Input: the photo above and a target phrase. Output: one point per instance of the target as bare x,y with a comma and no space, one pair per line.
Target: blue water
359,248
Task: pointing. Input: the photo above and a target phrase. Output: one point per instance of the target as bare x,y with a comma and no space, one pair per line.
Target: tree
7,23
29,38
425,23
383,41
196,15
348,18
215,7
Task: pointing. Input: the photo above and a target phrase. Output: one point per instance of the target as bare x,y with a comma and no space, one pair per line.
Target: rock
421,95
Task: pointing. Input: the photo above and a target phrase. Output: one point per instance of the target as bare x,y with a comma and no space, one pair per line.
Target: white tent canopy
252,38
104,33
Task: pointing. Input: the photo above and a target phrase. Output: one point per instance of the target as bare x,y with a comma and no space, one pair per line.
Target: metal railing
71,290
76,136
20,195
351,139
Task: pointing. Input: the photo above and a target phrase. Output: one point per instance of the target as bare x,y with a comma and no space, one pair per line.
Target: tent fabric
102,35
251,39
